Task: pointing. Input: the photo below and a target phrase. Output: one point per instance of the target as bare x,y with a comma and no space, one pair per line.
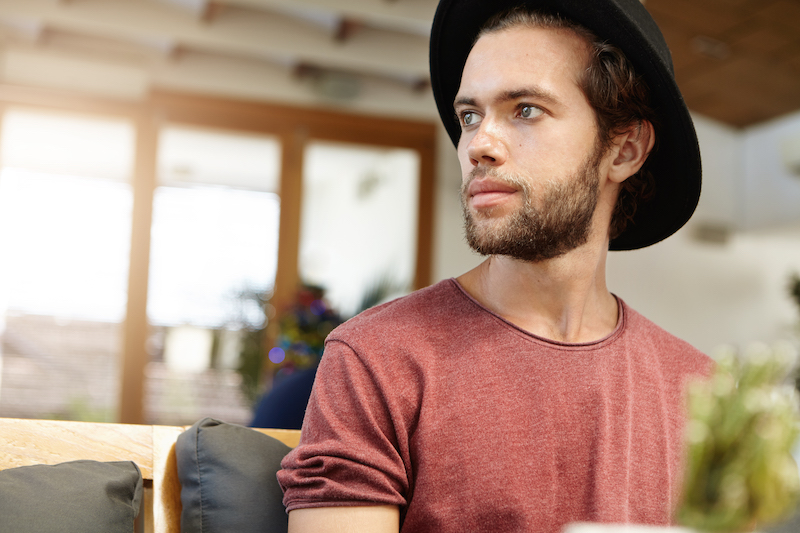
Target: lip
489,193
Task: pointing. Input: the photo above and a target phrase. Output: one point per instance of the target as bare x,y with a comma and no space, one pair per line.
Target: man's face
529,153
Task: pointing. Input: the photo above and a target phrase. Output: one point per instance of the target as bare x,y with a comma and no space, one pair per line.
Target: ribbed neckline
550,342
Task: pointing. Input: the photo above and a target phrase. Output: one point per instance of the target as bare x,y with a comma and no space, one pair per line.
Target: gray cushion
85,496
228,479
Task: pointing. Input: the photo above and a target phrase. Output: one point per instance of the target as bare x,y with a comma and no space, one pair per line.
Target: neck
563,299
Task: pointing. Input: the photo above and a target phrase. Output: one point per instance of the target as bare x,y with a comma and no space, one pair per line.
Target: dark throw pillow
85,496
228,479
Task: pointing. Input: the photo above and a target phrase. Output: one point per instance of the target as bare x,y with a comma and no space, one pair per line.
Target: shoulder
647,337
426,309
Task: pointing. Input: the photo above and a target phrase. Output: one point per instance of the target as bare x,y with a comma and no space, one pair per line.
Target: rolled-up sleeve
348,453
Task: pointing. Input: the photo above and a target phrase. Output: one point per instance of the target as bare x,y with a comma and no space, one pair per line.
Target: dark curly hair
619,96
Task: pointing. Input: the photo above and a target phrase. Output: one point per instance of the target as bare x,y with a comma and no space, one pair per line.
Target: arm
362,519
348,456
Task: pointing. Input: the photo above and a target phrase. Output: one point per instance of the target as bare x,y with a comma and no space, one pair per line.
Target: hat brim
675,162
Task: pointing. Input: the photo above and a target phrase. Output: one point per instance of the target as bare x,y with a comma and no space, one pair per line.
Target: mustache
505,178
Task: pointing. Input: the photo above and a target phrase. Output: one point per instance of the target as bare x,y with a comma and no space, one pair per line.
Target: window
136,235
65,223
214,242
359,222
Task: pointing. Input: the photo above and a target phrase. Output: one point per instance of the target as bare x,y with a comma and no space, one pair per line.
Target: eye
469,118
529,111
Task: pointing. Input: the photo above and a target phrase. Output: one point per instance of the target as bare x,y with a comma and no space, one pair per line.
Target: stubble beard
561,224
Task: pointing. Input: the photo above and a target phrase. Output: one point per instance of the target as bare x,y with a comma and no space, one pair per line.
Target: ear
631,149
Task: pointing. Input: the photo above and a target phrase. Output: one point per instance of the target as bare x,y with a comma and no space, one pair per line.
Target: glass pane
65,223
214,244
359,222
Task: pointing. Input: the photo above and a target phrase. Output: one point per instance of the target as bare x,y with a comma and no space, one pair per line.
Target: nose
486,146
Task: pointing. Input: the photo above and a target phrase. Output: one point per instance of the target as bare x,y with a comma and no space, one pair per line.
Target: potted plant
742,426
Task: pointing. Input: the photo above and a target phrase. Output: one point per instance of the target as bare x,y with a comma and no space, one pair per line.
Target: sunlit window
65,223
214,243
359,222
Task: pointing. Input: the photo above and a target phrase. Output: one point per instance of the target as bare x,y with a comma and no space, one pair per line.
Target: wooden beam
64,100
250,33
287,277
262,117
136,328
427,200
347,28
422,85
212,11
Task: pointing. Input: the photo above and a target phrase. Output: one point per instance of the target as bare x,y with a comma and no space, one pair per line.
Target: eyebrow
511,95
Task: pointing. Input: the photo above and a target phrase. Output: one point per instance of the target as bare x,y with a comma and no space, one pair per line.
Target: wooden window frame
294,126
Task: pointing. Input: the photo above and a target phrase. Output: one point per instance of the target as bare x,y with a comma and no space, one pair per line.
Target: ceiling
737,61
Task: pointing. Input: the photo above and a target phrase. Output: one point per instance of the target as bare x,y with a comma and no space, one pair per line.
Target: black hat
675,163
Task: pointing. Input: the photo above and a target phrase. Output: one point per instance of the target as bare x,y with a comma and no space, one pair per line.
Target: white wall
721,199
772,192
711,294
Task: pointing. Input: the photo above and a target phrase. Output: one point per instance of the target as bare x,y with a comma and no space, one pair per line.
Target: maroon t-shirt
469,423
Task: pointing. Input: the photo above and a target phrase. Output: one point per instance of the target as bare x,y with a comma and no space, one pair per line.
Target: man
522,396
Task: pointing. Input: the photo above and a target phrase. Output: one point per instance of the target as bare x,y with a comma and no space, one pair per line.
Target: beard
561,224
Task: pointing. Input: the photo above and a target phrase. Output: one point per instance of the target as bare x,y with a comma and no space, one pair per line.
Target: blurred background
173,171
